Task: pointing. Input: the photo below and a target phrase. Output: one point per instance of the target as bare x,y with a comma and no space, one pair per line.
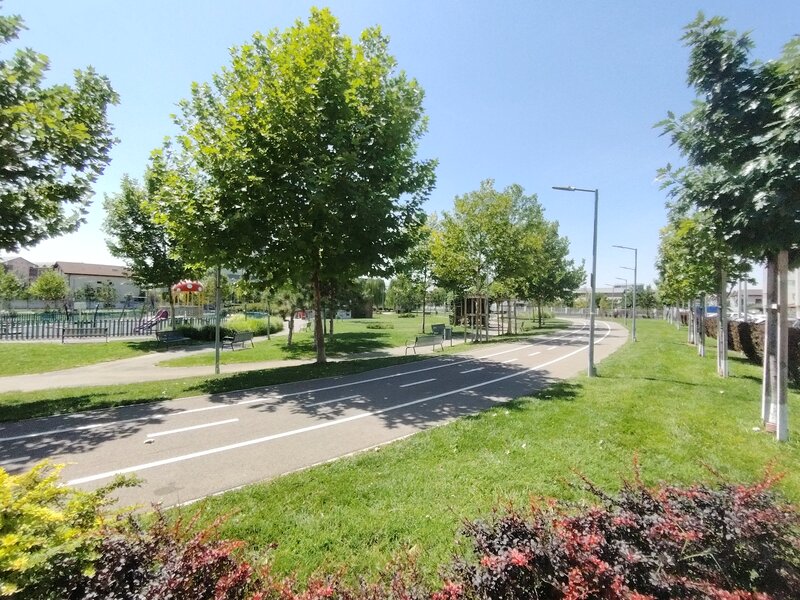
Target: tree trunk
701,327
269,315
509,316
722,326
769,381
319,334
291,328
539,312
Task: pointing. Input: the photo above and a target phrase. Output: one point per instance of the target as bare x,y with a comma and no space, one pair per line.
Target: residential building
79,275
24,269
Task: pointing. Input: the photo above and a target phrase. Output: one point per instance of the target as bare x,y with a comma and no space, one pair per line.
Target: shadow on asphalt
29,450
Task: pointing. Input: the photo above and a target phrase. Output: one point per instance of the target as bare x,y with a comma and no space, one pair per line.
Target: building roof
73,268
19,260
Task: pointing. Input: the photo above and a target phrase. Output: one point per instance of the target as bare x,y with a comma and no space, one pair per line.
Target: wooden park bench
425,340
239,337
170,337
83,332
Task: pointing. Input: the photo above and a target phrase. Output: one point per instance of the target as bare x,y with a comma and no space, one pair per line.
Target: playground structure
149,324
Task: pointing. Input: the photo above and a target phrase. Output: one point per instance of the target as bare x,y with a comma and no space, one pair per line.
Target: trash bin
438,329
448,333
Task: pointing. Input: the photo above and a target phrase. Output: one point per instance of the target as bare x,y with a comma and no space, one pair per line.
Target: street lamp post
635,266
592,308
624,301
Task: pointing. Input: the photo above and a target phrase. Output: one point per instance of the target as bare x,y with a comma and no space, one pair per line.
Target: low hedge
748,338
232,325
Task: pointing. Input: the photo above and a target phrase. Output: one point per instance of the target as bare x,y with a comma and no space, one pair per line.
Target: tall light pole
624,302
635,266
592,308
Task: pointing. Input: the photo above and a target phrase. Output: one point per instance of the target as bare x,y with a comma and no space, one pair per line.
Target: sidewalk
145,368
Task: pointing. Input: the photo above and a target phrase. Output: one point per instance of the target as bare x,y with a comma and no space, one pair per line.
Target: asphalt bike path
190,448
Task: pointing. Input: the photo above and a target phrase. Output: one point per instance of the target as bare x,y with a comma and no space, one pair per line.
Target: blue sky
539,93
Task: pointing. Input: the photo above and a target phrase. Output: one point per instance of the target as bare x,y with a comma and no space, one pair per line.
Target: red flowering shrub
734,542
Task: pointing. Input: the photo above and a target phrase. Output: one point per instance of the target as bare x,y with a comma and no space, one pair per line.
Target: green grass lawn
350,336
18,358
655,400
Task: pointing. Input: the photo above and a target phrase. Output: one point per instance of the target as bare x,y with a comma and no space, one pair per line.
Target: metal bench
170,337
83,332
240,337
425,340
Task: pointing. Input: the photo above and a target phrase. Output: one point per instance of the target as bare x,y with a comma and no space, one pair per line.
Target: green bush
50,535
405,315
232,325
380,325
257,326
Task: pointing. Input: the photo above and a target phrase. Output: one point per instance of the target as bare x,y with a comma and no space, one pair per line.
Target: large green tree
307,149
403,295
54,143
547,274
498,241
145,245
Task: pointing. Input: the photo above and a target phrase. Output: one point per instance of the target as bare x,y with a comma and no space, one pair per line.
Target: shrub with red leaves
166,561
730,542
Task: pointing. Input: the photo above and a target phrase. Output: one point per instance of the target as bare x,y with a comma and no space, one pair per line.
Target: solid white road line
509,360
471,370
418,382
192,428
330,401
534,353
551,348
269,438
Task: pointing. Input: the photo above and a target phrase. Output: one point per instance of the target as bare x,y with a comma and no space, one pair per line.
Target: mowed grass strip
22,358
26,405
654,399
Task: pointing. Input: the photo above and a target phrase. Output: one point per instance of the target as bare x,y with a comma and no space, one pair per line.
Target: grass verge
655,399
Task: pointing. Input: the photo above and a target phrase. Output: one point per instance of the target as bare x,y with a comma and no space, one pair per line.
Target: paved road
187,449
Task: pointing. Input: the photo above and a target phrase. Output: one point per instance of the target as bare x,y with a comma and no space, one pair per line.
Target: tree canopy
49,286
301,157
499,240
54,143
740,141
145,245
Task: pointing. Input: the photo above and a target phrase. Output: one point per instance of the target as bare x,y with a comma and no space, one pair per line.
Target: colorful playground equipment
149,324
